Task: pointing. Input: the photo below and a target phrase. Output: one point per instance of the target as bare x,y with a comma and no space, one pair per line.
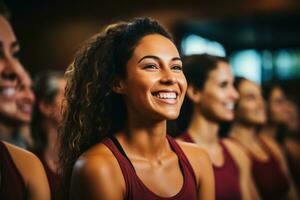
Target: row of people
122,88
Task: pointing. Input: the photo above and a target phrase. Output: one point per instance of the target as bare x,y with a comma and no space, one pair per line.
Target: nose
12,70
261,102
168,77
234,93
30,96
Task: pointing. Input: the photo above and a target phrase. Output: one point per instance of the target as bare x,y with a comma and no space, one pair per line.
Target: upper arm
32,172
277,152
248,188
96,178
202,167
38,187
206,187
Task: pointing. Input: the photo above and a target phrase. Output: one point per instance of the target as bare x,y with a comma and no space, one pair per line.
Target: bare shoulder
197,157
273,146
192,150
32,171
97,174
25,161
237,151
99,159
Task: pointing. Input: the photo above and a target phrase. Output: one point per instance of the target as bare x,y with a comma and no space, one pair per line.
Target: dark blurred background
260,37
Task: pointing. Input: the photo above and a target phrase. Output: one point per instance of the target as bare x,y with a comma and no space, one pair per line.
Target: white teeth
26,107
9,91
166,95
230,106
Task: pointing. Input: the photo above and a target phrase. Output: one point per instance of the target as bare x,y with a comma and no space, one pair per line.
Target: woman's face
24,100
11,69
155,85
54,109
278,110
251,106
58,101
218,96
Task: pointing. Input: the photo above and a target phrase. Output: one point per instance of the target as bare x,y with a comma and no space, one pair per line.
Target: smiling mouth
25,107
8,92
169,97
229,106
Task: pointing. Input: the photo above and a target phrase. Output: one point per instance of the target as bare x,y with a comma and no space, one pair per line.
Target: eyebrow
157,58
13,45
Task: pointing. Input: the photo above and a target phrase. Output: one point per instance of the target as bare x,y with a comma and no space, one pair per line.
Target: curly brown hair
93,111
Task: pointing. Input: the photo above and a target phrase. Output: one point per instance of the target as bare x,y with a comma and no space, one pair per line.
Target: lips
229,106
166,96
8,93
25,108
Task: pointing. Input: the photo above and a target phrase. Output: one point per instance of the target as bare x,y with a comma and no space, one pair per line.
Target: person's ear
193,94
119,86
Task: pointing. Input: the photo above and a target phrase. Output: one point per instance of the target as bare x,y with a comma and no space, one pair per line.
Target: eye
150,67
177,68
223,84
16,54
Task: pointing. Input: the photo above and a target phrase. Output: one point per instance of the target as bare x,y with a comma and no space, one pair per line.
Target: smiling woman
211,98
121,90
21,173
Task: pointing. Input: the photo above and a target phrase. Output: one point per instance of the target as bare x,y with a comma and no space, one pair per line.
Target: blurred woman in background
21,173
211,99
268,170
49,88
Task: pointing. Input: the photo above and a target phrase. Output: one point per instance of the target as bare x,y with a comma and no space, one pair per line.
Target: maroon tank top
270,180
54,180
12,185
227,177
135,188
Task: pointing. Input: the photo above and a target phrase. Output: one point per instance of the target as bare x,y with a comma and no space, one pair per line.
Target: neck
145,139
202,130
269,131
243,132
6,131
52,149
25,132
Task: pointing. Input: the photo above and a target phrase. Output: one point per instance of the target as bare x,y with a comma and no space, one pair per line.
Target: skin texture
154,66
211,105
12,75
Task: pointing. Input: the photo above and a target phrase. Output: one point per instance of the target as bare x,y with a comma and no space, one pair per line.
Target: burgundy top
54,180
227,178
12,185
135,188
270,180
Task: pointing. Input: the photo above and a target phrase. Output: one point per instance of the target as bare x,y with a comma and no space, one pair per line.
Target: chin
170,115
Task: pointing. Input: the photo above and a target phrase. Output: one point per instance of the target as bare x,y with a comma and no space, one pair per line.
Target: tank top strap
12,185
181,156
126,166
268,150
225,150
186,137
